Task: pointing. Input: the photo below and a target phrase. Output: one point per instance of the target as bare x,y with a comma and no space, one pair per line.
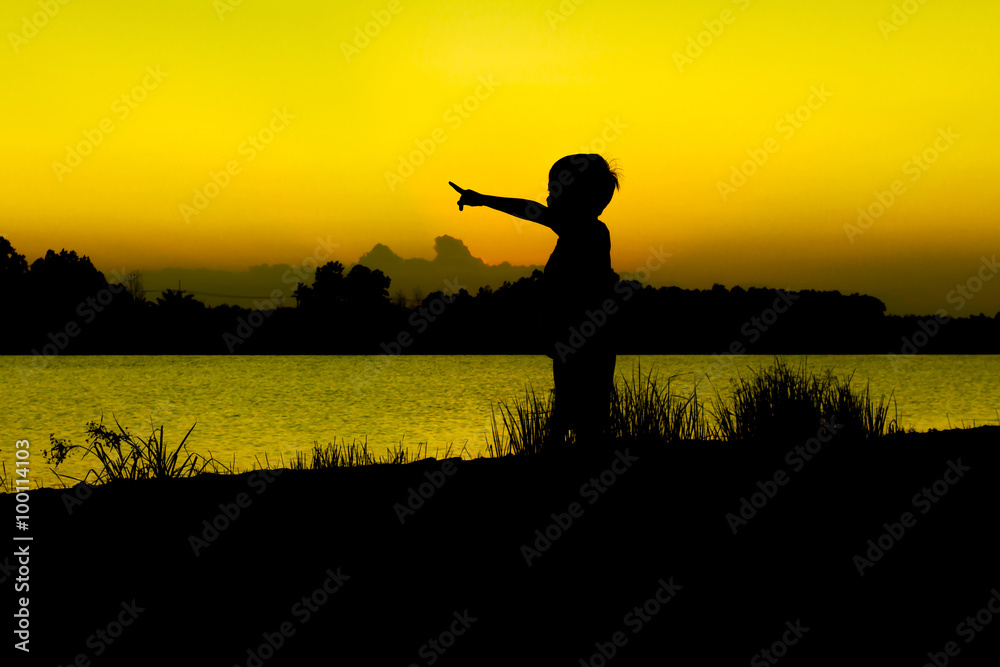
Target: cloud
453,262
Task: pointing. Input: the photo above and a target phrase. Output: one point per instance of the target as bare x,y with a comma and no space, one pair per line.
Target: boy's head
581,184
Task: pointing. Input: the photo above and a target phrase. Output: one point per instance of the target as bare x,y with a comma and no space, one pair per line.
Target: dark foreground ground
318,569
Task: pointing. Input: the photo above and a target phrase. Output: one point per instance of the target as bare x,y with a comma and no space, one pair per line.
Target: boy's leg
605,384
559,418
586,381
595,380
582,400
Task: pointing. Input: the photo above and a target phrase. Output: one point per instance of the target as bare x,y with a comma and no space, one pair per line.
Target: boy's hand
468,198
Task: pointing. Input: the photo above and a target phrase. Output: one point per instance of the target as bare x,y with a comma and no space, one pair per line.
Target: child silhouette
578,280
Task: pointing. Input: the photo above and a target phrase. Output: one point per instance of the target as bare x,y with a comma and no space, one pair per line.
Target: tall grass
525,426
122,455
644,410
780,401
774,403
344,455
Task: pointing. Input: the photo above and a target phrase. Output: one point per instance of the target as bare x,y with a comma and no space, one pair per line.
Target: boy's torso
581,258
578,277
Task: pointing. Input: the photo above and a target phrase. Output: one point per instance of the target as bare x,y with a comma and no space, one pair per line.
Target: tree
66,270
327,287
360,288
132,282
59,283
329,282
177,302
12,265
365,287
13,270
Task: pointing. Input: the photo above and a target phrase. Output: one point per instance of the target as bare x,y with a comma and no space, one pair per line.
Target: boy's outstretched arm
519,208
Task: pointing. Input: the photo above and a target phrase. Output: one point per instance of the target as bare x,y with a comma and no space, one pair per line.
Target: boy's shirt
578,277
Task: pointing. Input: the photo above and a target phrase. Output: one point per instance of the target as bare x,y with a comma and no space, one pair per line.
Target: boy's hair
586,180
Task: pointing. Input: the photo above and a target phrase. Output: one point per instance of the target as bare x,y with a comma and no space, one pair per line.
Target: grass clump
644,410
122,455
780,401
525,426
344,455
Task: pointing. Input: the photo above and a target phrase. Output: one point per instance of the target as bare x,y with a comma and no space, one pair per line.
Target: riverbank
705,551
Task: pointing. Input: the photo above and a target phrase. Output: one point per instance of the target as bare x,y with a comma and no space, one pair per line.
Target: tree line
61,304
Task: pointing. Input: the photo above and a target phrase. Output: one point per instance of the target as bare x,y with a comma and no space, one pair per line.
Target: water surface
247,406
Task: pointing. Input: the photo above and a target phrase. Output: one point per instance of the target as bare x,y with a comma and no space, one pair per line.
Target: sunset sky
117,113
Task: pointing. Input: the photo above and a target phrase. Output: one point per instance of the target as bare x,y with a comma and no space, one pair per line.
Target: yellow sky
328,132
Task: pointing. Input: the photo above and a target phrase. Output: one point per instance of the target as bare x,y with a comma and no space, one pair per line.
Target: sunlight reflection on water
274,405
